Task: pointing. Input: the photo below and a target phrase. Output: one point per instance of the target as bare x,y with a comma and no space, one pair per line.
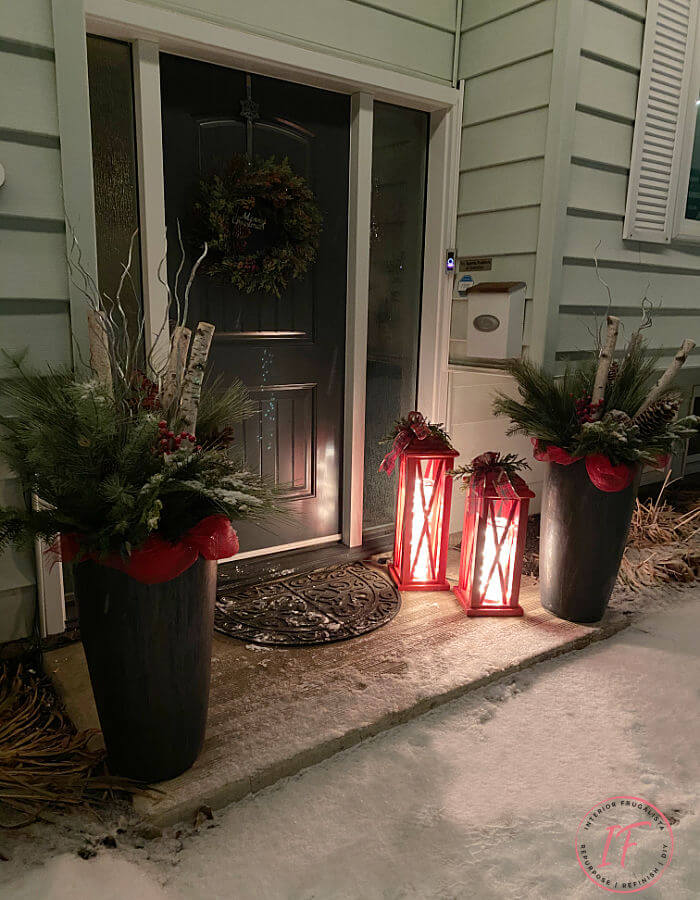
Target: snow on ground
480,798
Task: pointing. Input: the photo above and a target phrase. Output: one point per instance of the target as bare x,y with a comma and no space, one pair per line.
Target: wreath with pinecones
261,223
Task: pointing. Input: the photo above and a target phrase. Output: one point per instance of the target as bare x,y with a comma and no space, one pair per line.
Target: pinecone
657,418
612,371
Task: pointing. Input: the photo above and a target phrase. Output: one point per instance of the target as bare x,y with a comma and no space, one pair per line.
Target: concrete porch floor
273,712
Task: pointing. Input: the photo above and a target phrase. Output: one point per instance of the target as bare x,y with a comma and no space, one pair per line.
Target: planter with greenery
130,468
595,426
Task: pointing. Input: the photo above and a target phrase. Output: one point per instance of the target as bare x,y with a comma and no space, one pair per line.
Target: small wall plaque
475,263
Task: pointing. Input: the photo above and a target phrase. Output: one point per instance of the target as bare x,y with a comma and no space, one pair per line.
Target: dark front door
289,351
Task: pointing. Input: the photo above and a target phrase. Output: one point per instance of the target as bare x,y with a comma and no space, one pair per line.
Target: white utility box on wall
495,315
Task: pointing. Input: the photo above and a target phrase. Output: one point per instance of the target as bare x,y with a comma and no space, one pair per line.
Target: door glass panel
114,167
399,157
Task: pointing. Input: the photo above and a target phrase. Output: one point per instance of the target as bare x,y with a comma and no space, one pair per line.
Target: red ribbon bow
603,474
490,479
157,560
552,454
416,427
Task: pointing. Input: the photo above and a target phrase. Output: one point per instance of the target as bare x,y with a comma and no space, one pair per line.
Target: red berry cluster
149,389
169,442
585,410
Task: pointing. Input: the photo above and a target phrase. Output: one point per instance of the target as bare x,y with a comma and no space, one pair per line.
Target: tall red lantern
493,540
422,507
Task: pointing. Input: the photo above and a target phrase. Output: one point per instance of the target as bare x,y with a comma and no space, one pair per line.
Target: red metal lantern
493,544
423,515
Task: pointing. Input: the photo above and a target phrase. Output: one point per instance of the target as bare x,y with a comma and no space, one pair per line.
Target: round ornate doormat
316,608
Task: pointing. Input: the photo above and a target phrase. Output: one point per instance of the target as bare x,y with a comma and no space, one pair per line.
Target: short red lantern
422,505
493,540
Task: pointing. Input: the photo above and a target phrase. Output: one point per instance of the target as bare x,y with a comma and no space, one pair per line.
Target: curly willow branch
117,350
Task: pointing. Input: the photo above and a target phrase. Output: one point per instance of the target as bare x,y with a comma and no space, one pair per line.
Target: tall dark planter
583,536
148,649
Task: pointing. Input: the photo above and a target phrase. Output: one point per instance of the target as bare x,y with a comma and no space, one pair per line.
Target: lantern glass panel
493,584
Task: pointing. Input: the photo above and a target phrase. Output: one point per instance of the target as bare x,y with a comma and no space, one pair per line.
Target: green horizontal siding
670,275
407,35
506,61
33,281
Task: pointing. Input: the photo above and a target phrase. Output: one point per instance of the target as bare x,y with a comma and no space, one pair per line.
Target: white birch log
666,380
634,340
604,360
99,351
175,369
192,385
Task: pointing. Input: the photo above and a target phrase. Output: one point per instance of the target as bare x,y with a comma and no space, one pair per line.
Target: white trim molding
49,585
356,314
440,236
149,155
283,548
551,235
239,49
688,229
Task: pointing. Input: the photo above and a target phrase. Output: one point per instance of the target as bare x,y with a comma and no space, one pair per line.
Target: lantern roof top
429,446
498,485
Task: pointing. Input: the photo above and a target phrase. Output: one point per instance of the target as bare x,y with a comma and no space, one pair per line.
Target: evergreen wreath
261,223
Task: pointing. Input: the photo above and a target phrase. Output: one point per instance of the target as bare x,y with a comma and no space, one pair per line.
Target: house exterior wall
33,279
410,36
509,52
506,60
610,60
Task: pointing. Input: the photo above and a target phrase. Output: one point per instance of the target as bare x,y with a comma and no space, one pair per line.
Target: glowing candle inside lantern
493,546
422,569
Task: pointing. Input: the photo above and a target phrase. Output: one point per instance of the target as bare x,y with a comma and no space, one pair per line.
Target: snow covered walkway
478,799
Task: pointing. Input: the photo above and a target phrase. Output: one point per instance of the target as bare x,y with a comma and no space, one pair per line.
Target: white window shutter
669,39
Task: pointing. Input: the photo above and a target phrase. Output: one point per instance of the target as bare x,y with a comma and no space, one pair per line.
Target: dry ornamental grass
664,542
44,761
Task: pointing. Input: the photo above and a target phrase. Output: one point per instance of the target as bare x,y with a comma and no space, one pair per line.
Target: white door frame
151,29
